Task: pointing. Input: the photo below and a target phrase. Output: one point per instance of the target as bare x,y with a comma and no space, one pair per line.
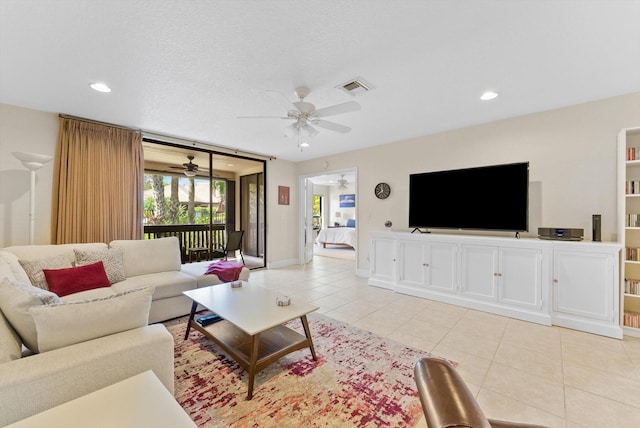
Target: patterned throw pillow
34,268
15,301
112,260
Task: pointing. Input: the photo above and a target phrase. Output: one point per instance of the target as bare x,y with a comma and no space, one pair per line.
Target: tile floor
519,371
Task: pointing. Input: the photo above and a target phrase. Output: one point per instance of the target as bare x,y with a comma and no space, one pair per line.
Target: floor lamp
32,161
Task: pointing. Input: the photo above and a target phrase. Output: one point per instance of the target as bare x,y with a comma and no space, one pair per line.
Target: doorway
330,204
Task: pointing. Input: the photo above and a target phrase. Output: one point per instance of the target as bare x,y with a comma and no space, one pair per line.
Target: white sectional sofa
30,384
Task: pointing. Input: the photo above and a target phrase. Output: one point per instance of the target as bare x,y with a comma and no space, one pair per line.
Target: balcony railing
190,236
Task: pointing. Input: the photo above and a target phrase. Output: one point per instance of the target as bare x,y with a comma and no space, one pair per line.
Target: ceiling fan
190,169
306,116
342,183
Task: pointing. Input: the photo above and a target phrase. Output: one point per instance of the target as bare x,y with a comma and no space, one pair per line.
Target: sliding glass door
252,213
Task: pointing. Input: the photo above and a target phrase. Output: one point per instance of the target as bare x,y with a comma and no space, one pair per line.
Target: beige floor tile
328,302
434,315
538,362
605,384
420,343
503,407
593,411
535,337
472,343
533,390
613,359
472,368
431,332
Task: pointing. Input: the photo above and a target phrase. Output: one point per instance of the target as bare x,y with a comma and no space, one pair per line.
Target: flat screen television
492,197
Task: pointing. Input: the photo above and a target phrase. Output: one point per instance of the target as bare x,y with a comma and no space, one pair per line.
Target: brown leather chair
446,400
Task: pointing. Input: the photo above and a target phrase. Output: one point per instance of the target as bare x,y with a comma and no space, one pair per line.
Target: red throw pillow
76,279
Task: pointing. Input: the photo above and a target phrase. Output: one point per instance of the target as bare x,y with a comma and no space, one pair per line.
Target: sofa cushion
112,259
65,324
73,280
34,268
10,267
10,343
15,301
149,255
167,284
34,252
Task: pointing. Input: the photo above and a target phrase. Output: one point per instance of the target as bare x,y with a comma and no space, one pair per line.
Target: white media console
570,284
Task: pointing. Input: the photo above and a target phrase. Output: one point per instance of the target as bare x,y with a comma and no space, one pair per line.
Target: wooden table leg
307,332
194,305
255,342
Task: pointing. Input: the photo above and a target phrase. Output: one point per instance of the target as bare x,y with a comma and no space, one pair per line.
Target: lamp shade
32,161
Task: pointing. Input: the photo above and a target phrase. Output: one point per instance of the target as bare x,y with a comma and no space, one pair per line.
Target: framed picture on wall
347,201
283,195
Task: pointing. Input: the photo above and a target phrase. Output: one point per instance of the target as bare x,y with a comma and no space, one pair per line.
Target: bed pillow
34,268
76,279
351,223
15,301
65,324
112,259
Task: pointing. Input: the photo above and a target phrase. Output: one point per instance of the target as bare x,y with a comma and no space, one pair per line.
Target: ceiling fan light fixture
100,87
488,95
190,173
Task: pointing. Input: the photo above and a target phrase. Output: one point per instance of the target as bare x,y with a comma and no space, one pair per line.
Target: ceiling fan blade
332,126
337,109
281,99
262,117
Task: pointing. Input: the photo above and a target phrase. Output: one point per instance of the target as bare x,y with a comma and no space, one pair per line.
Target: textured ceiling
189,69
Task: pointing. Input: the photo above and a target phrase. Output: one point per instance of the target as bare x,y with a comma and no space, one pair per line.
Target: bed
337,236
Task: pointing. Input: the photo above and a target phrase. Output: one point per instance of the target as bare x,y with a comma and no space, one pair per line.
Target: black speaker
596,225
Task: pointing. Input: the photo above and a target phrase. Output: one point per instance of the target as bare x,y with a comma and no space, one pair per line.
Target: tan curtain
98,183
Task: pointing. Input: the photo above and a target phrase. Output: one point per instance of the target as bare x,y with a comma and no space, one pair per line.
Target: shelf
632,195
633,162
632,228
634,262
633,296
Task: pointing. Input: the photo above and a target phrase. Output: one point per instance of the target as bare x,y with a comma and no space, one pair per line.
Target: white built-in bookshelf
629,228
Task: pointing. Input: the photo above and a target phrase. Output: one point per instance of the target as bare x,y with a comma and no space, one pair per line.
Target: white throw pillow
15,301
111,259
34,268
64,324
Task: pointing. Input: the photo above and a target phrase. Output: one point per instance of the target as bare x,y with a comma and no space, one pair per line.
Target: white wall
282,220
25,130
572,155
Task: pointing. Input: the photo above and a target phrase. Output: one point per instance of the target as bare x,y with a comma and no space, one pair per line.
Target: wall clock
382,191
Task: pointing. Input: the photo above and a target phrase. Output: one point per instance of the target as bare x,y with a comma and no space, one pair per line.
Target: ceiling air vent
355,86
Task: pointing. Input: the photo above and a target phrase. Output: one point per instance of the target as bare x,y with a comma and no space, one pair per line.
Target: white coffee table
139,401
251,332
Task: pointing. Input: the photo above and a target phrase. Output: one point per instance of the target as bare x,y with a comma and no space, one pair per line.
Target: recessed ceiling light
230,164
100,87
489,95
304,144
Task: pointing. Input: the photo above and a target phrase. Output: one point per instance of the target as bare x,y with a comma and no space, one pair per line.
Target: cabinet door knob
425,264
555,281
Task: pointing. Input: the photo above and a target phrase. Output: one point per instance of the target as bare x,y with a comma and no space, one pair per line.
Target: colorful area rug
359,380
